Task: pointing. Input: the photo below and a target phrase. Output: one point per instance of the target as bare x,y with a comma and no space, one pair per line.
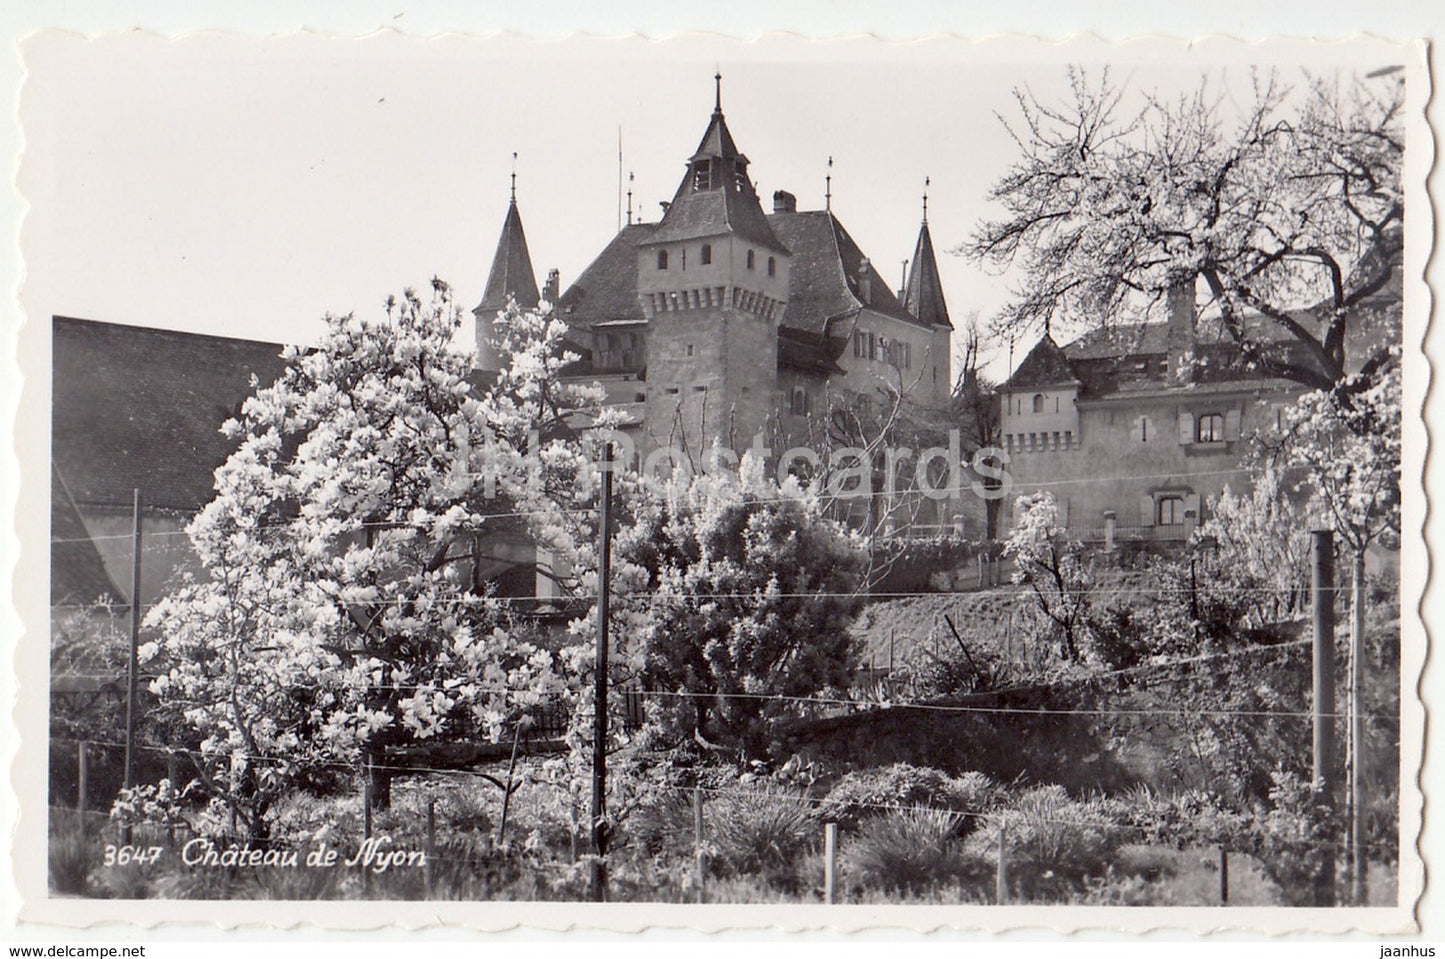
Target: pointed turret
716,196
511,277
923,294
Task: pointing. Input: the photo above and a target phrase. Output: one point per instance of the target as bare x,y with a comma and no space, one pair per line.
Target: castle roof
606,290
511,275
139,407
716,196
826,264
923,295
1045,365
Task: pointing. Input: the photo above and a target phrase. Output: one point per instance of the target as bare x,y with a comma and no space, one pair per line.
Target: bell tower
713,283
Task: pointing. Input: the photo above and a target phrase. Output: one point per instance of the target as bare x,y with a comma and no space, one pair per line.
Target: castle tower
923,297
511,277
712,282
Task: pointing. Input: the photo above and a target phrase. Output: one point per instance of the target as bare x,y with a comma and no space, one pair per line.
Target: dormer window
662,259
706,257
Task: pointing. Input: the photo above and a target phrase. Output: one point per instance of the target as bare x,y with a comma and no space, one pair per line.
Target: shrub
1053,843
70,858
763,831
908,849
865,793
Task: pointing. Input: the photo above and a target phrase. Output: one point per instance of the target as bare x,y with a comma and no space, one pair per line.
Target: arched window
1038,402
706,257
662,259
800,404
1171,511
751,259
772,266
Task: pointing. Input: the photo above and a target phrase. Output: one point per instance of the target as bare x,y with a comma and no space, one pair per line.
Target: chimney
553,287
1180,342
865,281
784,202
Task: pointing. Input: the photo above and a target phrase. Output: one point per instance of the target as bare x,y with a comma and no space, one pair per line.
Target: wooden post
1000,879
131,682
599,711
697,840
82,786
1223,876
431,844
1322,612
830,861
1359,861
509,788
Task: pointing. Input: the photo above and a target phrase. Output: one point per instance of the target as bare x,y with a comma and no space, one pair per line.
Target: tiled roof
825,268
77,573
1045,365
729,206
511,274
923,295
607,289
139,407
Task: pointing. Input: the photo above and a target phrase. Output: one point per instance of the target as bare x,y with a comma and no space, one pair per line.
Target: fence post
82,786
1326,774
979,559
431,843
830,861
1223,876
1000,879
697,840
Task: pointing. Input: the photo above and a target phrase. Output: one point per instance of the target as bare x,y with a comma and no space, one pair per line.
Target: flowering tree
1260,545
1292,200
340,613
746,592
1053,567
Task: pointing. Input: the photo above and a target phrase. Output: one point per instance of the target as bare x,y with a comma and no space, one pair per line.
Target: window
872,347
702,175
772,266
662,259
706,257
860,344
752,259
1209,428
1038,402
800,405
689,349
1170,511
1143,429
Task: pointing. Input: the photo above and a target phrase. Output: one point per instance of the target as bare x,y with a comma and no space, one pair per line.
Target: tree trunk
380,781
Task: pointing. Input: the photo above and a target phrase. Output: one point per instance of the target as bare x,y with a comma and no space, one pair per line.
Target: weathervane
514,176
828,187
926,181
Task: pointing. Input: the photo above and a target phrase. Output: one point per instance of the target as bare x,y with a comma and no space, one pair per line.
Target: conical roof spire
716,196
511,275
923,295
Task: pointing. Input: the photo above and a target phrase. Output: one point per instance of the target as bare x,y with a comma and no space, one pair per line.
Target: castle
721,323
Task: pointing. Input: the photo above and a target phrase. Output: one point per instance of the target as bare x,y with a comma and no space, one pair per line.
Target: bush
908,850
70,858
762,831
1053,843
864,793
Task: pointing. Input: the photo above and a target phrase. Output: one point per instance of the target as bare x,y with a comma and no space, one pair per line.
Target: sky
247,187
